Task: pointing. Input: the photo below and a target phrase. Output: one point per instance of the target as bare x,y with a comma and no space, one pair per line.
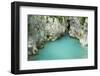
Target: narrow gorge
44,29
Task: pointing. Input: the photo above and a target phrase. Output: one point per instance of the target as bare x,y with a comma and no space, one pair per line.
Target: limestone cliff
49,28
79,29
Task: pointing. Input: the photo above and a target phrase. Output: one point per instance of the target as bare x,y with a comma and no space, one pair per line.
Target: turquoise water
64,48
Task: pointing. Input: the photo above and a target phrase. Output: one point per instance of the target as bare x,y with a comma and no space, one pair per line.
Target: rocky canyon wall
49,28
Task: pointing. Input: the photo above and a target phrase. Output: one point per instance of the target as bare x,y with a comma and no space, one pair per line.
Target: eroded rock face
54,29
49,28
79,30
84,39
44,28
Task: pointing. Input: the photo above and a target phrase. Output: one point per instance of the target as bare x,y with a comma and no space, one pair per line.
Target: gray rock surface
49,28
79,30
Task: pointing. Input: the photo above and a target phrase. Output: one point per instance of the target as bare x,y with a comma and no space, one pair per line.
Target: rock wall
79,29
49,28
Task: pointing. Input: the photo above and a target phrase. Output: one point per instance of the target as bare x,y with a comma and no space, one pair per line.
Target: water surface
63,48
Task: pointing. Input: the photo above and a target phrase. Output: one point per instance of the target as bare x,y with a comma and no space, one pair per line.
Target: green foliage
29,28
60,18
82,20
